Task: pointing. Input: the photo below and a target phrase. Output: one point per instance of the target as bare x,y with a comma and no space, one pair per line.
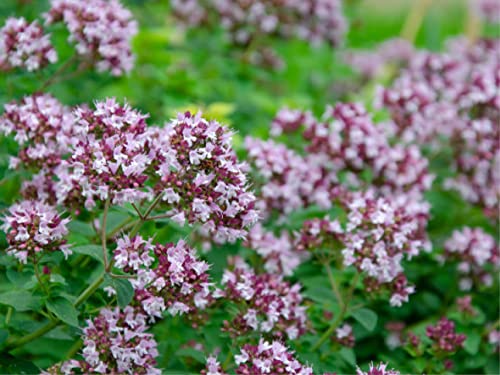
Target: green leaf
12,365
366,317
348,355
3,336
124,291
80,227
20,300
471,344
93,251
192,353
64,310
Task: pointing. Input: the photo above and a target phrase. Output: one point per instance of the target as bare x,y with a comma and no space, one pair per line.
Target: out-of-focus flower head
101,29
279,253
43,128
477,254
444,337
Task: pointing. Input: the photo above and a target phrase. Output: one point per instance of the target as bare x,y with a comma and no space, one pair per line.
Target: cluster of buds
33,227
201,180
25,45
115,342
253,22
380,369
101,29
477,254
266,303
269,358
42,126
111,153
169,277
279,253
464,305
444,337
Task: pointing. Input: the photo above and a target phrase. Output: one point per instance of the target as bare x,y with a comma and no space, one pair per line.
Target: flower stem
38,277
340,316
414,20
103,234
54,323
334,285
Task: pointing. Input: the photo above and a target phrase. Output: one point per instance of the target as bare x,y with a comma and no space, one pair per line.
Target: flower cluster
115,342
487,10
380,369
42,126
201,180
34,227
339,148
379,234
169,277
477,254
252,22
289,181
101,29
279,253
267,303
110,153
444,337
454,96
24,45
269,358
371,63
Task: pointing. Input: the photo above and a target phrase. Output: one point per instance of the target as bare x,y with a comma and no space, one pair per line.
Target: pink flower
101,29
32,228
380,369
268,304
24,45
201,180
477,254
115,342
269,358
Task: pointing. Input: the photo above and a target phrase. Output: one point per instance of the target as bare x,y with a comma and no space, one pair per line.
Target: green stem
414,19
143,218
334,285
74,349
103,233
339,318
38,277
90,290
34,335
8,316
